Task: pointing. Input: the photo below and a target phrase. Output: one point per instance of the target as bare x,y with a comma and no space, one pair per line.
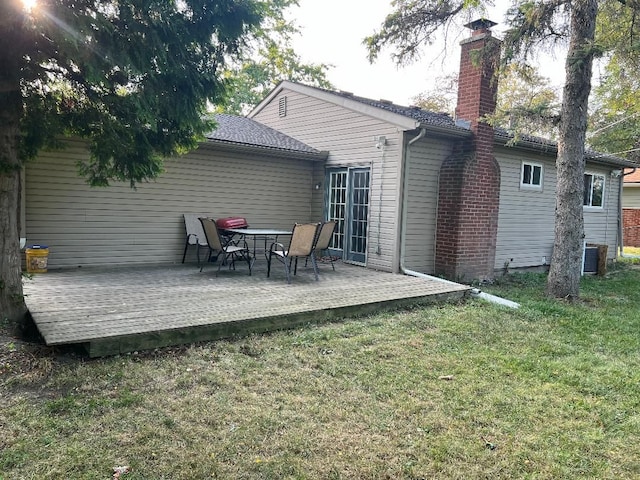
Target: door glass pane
359,215
598,190
587,190
337,206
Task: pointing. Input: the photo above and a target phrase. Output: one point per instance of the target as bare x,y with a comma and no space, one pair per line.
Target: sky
332,32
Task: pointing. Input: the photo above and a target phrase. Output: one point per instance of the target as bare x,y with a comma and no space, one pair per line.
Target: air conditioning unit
590,260
594,258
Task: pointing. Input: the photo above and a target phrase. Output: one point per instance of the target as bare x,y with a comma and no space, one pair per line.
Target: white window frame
589,205
531,185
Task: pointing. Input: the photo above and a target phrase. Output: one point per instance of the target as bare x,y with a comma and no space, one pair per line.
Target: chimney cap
480,24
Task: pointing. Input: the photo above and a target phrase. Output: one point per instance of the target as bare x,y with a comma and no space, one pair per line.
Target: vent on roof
386,102
462,123
346,94
282,107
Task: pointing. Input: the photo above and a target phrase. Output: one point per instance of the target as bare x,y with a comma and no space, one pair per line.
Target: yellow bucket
37,257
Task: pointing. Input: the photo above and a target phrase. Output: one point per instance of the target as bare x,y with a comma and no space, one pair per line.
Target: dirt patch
24,355
23,358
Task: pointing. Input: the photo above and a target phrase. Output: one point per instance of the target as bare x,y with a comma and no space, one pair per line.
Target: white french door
348,204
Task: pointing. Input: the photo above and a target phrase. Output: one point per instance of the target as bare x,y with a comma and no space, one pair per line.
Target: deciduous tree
269,59
615,121
527,103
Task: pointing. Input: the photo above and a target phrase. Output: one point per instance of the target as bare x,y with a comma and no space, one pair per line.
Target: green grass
472,390
632,250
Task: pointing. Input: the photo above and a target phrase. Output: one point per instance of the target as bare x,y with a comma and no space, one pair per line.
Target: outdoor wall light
317,186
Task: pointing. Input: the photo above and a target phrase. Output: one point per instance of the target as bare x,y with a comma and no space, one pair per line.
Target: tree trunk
12,305
566,261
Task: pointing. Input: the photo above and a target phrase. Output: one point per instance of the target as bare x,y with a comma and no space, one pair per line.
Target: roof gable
406,118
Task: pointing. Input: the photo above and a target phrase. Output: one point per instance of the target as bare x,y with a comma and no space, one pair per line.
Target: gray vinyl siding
425,159
348,136
526,219
631,196
601,224
118,225
317,196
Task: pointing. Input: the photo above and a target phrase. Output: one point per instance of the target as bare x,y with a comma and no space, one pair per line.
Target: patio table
258,233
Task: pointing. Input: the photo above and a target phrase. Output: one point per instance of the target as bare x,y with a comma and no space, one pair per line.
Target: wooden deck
122,309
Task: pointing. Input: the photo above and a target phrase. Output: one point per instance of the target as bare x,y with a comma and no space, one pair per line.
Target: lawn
631,250
468,390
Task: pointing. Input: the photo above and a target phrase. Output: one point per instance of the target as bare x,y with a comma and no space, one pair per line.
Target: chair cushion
233,249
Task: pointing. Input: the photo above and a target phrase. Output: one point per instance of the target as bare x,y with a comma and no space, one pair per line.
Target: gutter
447,131
476,293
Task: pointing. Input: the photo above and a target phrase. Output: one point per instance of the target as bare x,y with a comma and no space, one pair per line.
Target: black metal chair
195,234
236,251
323,240
303,239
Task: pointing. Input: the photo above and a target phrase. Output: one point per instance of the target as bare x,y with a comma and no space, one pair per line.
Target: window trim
531,186
604,186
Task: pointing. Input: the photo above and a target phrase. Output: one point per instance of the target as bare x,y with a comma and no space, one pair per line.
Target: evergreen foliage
133,77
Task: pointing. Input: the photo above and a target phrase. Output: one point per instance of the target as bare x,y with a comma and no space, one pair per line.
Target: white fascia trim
266,100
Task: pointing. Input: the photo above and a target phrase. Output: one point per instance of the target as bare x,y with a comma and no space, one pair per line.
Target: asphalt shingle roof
429,118
416,113
237,130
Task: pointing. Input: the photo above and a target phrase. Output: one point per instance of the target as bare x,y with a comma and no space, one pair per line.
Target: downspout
22,212
620,215
381,143
476,293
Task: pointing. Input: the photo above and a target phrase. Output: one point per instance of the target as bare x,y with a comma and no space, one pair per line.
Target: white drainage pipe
477,293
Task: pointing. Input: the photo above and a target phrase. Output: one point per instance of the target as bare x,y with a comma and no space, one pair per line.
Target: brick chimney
469,190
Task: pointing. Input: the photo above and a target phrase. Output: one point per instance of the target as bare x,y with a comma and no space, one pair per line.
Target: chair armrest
276,244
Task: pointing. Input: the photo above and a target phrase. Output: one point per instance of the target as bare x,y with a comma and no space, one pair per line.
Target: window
282,107
531,176
593,190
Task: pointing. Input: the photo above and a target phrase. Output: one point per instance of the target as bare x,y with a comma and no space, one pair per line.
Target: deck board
93,305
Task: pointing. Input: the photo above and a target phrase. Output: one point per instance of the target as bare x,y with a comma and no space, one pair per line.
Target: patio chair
323,240
234,251
195,234
303,238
